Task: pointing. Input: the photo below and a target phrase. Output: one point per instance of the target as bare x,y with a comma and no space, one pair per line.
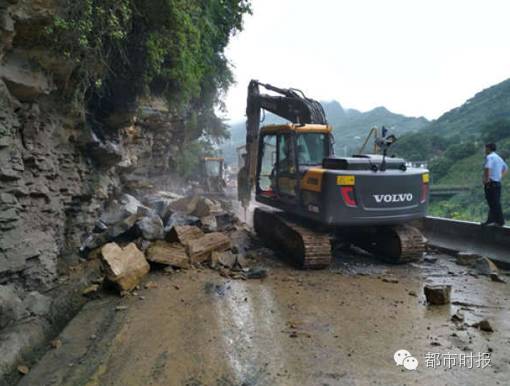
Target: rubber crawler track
308,249
396,244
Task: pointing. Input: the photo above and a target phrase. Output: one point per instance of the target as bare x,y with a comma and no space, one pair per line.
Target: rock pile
166,230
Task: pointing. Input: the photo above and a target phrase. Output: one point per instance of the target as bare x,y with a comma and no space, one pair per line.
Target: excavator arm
290,104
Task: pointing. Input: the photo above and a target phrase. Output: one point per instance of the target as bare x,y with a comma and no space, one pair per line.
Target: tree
496,131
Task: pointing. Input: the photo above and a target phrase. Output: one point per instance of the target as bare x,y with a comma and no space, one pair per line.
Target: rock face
37,304
151,227
59,169
124,266
11,306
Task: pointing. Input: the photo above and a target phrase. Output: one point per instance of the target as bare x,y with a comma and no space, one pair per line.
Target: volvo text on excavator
367,200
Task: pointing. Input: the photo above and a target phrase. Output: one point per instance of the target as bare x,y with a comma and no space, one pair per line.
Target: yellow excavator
311,197
212,175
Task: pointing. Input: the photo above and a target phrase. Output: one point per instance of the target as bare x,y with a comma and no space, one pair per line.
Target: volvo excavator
311,197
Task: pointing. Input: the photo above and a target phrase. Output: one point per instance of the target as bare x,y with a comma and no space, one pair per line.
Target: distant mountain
485,116
491,104
350,127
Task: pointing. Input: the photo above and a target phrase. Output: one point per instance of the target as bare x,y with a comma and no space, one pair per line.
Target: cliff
95,100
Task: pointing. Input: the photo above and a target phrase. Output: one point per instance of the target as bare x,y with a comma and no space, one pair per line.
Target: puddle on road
245,314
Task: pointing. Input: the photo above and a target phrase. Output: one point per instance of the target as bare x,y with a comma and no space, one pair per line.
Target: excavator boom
291,104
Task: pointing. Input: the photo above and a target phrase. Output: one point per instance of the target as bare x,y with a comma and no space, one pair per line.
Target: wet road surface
333,327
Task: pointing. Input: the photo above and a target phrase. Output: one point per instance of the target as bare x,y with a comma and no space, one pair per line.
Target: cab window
285,155
213,168
285,181
267,162
312,148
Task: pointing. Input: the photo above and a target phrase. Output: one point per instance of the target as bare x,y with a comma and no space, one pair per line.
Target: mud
334,327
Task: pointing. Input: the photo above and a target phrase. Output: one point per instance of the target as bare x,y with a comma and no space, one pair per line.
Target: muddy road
340,326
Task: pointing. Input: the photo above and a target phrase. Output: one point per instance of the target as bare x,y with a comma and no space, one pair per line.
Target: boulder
485,266
196,206
217,222
93,241
125,267
96,240
117,211
226,259
256,273
160,205
179,218
483,325
24,80
200,249
225,221
184,233
163,252
209,223
185,204
37,303
466,258
244,262
205,207
11,306
151,227
438,294
121,227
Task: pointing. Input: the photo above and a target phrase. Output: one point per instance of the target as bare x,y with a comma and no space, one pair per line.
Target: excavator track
396,244
412,243
307,248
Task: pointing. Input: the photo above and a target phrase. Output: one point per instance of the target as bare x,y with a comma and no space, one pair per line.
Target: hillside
486,111
453,146
350,127
467,172
488,105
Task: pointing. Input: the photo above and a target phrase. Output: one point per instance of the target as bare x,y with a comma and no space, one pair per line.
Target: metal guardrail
493,242
447,191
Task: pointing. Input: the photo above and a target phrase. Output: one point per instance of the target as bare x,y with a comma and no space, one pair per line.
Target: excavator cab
212,175
287,152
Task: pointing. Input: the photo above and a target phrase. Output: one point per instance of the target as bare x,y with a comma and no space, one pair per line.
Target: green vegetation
187,162
175,47
453,145
124,49
467,171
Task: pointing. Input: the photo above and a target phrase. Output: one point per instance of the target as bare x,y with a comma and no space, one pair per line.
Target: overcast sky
415,57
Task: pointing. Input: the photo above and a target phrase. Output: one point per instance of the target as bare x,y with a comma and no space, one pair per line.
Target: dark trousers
493,197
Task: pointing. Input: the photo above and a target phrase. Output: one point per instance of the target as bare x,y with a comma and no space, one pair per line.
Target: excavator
212,175
312,199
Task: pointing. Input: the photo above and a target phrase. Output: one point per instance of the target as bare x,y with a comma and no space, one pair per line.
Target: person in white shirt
494,170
